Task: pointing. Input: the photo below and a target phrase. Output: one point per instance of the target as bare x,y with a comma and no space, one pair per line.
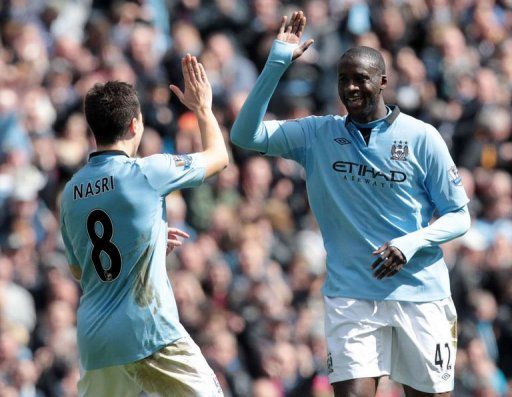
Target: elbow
216,161
240,136
235,138
246,140
224,160
466,223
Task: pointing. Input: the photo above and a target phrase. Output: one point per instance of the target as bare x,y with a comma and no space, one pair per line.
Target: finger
378,273
290,26
184,69
306,44
382,271
283,24
173,244
377,262
204,78
393,265
392,273
190,68
302,48
178,232
381,249
392,268
177,92
302,25
296,22
197,71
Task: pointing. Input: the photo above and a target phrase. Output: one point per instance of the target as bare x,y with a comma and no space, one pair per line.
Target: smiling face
360,82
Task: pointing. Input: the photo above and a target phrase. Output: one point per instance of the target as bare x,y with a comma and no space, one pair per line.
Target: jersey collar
108,152
395,111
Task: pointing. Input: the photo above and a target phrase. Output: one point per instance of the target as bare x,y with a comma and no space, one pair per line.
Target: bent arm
448,227
198,98
214,152
248,130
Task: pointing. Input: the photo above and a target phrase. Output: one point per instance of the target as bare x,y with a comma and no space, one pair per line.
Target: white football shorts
415,343
177,370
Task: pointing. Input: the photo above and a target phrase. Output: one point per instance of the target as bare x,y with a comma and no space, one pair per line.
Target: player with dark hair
374,179
113,223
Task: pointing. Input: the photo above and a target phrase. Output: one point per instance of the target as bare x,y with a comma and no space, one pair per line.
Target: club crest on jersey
182,160
399,150
454,176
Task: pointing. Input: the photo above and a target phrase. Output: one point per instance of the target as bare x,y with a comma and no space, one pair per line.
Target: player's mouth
354,101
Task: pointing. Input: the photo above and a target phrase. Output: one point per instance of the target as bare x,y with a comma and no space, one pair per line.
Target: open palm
293,32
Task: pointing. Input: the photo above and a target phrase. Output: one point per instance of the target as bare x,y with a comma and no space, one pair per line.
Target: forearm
248,131
448,227
214,147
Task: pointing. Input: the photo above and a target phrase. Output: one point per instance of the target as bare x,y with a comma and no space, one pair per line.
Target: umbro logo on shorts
342,141
446,376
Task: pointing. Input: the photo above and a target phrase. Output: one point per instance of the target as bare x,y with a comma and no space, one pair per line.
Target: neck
380,112
123,145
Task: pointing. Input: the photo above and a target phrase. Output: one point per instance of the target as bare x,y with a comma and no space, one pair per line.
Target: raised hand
293,32
390,261
198,92
172,238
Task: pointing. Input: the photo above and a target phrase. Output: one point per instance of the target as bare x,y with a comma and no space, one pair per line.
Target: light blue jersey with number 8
114,228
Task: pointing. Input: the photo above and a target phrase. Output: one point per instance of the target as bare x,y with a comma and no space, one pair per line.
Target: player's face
359,86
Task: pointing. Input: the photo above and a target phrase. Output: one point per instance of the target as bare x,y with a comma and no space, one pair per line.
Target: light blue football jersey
362,195
113,223
365,195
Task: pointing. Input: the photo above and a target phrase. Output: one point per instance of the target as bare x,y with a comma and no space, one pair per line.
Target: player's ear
383,81
134,126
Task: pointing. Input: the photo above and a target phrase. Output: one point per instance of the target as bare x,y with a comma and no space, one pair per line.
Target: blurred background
248,281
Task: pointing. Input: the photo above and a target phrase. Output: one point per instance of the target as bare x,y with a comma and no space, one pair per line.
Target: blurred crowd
248,281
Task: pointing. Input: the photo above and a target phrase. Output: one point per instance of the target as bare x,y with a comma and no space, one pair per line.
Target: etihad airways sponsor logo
363,173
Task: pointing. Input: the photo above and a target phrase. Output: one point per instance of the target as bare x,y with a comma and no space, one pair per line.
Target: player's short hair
109,109
369,53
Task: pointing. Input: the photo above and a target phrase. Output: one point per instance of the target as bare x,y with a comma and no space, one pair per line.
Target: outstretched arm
198,98
248,131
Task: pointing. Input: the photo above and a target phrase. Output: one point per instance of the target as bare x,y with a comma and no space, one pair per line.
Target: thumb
302,48
381,249
307,44
177,92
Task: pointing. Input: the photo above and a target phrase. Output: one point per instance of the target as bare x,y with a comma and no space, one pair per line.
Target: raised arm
248,131
198,98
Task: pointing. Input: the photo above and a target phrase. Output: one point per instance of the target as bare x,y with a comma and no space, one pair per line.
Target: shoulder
164,164
417,126
417,129
154,162
153,159
67,192
319,122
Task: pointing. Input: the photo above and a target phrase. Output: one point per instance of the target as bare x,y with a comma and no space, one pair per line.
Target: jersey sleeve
68,248
166,172
289,138
442,178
